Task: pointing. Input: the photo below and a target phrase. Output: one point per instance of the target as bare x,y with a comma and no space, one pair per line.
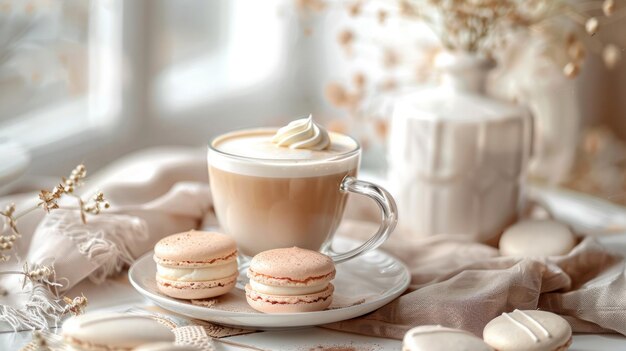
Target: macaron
113,331
537,238
529,330
290,280
196,264
438,338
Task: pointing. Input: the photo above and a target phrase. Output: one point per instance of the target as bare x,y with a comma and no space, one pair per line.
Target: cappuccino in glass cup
269,196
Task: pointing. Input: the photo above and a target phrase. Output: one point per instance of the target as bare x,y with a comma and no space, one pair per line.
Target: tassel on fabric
105,240
42,310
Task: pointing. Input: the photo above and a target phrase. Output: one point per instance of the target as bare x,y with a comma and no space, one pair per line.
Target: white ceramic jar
457,157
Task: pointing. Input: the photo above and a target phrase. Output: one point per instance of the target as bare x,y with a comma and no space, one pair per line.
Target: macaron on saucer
361,285
290,280
196,264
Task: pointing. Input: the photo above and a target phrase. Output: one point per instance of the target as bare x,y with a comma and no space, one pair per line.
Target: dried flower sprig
10,219
40,274
48,201
483,25
75,179
49,198
45,302
75,306
43,275
93,206
571,29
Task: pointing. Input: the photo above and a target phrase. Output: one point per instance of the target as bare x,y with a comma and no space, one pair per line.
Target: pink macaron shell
195,249
196,290
291,267
289,304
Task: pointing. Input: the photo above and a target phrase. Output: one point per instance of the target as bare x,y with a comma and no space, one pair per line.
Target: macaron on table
113,331
515,331
438,338
537,238
528,330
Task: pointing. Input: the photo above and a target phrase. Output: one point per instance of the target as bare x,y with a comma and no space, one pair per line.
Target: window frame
63,125
133,120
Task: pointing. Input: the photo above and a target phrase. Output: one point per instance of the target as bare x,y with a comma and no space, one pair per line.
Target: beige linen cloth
464,285
454,282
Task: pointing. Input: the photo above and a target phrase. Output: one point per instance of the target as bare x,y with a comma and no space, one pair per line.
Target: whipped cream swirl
302,134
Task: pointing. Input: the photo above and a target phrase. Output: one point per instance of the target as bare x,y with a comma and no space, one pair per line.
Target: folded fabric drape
455,283
464,285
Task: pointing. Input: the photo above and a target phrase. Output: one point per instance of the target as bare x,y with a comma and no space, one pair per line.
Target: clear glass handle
389,216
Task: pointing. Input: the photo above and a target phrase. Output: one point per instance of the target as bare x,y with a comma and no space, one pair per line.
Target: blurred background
91,81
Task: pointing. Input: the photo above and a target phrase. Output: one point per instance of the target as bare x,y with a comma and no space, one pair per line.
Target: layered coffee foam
256,155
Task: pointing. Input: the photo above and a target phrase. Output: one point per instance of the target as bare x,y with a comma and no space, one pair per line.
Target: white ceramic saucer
362,285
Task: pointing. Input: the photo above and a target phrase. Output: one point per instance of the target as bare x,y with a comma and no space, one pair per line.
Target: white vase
456,156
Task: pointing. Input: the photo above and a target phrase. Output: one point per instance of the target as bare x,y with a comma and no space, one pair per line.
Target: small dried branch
39,274
74,306
45,304
95,204
48,201
11,221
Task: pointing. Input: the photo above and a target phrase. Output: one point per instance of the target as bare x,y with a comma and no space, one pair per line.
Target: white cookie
113,331
528,330
438,338
537,238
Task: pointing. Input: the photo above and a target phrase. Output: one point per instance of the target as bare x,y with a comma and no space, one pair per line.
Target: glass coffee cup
269,197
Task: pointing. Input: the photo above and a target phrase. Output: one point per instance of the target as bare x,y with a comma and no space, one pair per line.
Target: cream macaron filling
287,290
212,272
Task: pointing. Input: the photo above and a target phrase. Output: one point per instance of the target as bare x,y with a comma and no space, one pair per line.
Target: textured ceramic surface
362,285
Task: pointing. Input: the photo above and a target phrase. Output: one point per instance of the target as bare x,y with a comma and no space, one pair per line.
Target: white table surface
117,294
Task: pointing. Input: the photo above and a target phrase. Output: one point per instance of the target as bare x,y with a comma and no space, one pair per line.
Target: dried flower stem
49,201
75,306
45,303
38,274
